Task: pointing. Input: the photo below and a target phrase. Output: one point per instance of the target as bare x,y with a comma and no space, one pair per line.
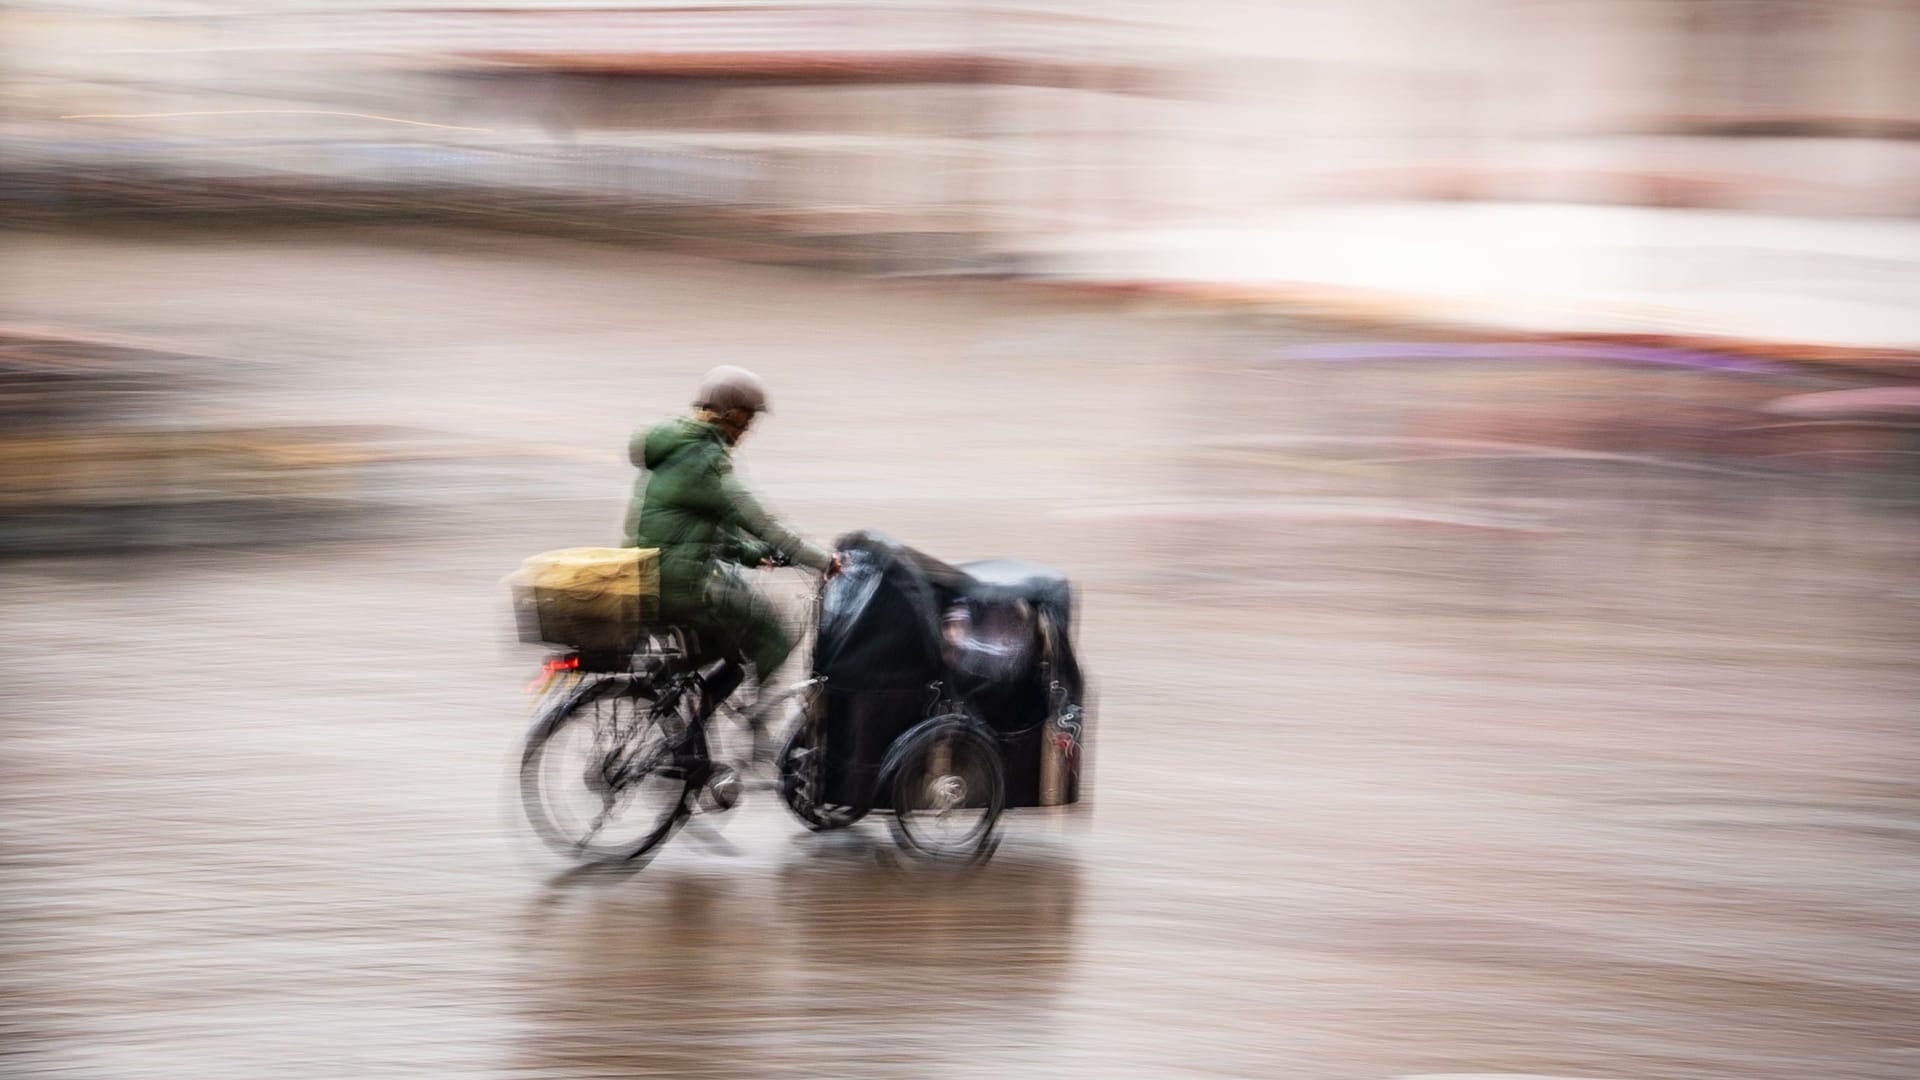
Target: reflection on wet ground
830,964
1397,770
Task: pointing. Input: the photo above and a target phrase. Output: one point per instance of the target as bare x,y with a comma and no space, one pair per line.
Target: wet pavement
1396,772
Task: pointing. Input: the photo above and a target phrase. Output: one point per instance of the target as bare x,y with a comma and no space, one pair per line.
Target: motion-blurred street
1600,765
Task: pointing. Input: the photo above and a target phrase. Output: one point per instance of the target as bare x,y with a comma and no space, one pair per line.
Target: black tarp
879,645
880,617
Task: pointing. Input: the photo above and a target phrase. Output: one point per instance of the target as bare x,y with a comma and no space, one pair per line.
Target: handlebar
780,560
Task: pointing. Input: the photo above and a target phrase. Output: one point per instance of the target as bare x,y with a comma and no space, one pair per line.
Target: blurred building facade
956,129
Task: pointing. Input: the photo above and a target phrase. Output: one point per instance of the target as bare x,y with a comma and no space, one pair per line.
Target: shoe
721,791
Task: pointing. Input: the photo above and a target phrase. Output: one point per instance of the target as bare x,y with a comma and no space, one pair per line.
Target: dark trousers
734,619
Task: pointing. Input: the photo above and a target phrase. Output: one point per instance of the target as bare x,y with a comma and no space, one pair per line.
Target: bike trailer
900,632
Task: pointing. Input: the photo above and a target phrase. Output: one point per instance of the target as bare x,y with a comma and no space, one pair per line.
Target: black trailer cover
879,646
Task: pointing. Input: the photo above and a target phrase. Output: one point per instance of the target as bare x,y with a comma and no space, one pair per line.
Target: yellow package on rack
587,598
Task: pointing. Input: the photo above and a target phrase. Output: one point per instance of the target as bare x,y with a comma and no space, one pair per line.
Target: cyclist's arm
747,515
745,550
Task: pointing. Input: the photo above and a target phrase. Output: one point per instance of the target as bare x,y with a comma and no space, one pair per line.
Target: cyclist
688,503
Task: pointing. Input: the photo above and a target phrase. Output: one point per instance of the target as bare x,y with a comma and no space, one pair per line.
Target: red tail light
554,667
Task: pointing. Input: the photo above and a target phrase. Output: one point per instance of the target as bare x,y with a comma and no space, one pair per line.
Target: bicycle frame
662,661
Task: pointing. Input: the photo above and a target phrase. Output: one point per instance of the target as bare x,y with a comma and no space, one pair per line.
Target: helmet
728,388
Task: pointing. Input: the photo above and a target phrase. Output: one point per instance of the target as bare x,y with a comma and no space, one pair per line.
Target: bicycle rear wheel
608,772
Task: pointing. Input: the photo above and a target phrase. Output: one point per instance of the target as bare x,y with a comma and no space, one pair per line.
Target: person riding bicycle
688,503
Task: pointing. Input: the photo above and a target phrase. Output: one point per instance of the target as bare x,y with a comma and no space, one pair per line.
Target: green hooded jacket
688,503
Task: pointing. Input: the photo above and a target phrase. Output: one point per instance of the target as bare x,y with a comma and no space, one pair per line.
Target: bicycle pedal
721,792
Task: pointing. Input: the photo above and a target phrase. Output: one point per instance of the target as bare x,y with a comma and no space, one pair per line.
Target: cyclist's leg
706,645
751,627
748,624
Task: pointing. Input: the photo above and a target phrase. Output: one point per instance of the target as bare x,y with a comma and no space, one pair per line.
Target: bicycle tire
618,763
802,776
944,773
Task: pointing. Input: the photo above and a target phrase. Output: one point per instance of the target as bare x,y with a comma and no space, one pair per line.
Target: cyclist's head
731,397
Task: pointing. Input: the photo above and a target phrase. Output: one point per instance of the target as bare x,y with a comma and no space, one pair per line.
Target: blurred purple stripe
1440,350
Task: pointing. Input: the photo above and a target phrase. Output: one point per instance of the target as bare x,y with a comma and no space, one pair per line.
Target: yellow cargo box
587,598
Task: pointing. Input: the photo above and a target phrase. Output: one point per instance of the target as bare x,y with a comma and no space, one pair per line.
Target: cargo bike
939,695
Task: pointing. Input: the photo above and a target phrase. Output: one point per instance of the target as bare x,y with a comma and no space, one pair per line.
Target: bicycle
617,761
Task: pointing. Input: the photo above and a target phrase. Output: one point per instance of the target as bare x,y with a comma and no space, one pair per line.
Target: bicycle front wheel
948,788
608,772
803,775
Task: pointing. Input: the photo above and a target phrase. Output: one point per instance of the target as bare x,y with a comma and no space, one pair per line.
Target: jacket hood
669,437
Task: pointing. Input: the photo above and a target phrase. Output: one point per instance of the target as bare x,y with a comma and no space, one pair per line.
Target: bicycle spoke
599,783
593,828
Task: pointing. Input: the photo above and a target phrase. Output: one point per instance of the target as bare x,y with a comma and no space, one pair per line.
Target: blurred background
1483,433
